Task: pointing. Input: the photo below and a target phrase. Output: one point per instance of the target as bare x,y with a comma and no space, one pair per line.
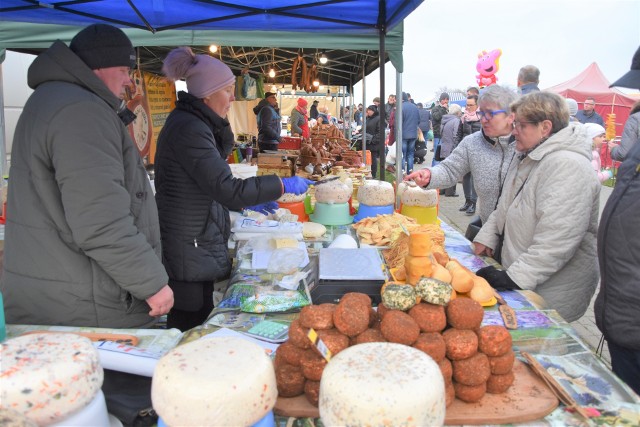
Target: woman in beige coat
548,210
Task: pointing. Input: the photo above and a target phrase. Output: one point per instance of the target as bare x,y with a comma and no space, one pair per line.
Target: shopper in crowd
437,113
410,120
630,135
313,111
389,107
269,122
528,79
82,242
424,126
470,124
195,188
450,138
487,154
299,121
376,130
376,102
595,138
588,114
572,105
616,306
544,228
472,90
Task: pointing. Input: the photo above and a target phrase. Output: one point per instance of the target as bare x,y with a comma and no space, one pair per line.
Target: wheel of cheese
417,196
47,377
382,384
376,193
223,381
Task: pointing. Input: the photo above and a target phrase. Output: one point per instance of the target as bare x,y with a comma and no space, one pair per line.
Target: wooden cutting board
527,399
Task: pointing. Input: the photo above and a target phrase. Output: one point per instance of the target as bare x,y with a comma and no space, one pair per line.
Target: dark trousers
192,309
625,363
469,191
375,156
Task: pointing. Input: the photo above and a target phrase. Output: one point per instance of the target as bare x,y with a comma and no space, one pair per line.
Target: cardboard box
281,164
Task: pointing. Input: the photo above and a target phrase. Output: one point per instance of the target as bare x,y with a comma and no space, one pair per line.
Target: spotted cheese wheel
199,383
48,377
367,385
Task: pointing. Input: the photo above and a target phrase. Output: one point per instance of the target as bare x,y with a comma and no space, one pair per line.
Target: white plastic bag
391,155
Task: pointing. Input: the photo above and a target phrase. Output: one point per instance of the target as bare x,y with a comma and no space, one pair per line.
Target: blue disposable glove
264,208
499,279
296,184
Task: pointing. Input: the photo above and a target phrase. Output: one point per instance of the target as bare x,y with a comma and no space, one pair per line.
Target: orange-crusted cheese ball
370,335
290,380
430,317
460,343
397,326
494,340
312,392
433,344
317,316
312,366
298,335
470,393
500,383
334,340
473,370
501,365
351,316
464,313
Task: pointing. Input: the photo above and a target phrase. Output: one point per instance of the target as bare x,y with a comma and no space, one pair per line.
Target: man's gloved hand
296,184
264,208
499,279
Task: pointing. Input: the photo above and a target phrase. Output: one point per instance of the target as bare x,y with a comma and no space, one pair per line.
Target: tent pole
382,20
363,129
398,128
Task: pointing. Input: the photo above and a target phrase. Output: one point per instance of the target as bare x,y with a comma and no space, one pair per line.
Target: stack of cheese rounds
49,377
382,384
222,381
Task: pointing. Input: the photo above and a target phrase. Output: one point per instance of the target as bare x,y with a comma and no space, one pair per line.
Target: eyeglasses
488,115
519,124
471,105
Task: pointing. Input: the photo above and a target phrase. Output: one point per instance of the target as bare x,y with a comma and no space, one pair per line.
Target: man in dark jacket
269,123
313,111
437,113
82,241
616,306
389,106
410,120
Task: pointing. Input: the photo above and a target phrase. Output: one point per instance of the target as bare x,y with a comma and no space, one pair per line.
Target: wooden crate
283,165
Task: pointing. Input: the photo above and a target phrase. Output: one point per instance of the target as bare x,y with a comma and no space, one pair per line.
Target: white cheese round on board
382,384
222,381
49,376
334,191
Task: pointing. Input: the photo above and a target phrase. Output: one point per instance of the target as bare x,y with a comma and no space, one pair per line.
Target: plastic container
422,214
331,214
266,421
94,414
296,208
365,211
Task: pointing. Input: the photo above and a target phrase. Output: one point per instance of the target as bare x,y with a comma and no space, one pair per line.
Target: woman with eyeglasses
547,216
486,154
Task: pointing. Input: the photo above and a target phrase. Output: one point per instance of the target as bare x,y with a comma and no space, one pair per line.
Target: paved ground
585,326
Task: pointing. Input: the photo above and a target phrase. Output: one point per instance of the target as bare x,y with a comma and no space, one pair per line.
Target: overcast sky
442,40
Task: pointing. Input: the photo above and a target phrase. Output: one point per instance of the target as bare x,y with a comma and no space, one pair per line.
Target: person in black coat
376,131
195,188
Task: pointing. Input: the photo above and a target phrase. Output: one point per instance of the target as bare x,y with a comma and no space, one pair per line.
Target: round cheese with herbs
334,191
376,193
418,196
224,381
48,376
382,384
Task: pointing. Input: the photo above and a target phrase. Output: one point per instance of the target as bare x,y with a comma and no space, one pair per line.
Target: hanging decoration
487,66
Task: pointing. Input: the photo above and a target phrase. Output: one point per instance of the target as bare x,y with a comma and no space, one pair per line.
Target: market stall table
541,332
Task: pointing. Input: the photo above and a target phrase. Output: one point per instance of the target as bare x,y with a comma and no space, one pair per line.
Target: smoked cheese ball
494,340
497,384
430,317
398,327
473,370
317,316
433,344
470,393
464,313
501,365
460,343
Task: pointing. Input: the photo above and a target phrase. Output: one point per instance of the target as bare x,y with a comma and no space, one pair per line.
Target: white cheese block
222,381
48,377
417,196
382,384
292,197
376,193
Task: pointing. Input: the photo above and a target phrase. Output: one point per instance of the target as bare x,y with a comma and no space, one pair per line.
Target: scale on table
341,271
